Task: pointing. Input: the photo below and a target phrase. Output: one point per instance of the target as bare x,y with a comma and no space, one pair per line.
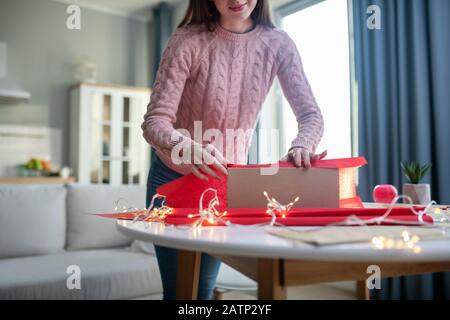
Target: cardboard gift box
328,184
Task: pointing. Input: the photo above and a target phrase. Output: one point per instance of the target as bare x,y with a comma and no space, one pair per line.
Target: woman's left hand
302,157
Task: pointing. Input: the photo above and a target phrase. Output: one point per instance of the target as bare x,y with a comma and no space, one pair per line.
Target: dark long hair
205,11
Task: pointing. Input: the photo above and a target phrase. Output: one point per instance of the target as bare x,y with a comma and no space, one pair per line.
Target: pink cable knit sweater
221,79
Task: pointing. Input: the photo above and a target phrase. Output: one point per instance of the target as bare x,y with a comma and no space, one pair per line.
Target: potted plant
419,193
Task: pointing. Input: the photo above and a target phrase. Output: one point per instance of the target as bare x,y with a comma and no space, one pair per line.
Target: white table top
256,242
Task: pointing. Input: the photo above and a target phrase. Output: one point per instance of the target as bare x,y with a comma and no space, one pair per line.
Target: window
321,33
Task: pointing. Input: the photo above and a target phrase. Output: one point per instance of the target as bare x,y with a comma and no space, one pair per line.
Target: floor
327,291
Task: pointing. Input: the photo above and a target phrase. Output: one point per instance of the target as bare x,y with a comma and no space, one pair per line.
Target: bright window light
321,35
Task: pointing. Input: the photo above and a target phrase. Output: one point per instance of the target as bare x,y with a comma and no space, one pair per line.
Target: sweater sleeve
298,93
174,70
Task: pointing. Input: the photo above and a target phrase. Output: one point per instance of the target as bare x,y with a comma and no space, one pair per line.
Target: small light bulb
406,236
378,243
390,243
399,244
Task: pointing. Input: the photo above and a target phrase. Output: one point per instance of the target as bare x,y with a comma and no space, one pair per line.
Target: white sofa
44,230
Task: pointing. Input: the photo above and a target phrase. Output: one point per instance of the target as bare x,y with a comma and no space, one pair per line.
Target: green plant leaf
414,171
423,170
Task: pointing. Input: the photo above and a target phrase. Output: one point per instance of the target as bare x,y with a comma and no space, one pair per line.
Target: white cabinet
106,143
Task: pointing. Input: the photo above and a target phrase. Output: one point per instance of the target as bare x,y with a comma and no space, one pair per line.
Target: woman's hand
301,156
202,156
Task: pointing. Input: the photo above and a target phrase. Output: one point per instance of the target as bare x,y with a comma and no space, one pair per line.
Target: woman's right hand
202,156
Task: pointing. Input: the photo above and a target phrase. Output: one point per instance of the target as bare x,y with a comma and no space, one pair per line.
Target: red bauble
384,193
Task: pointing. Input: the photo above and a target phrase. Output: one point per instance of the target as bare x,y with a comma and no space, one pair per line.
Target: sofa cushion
143,247
32,220
230,279
104,274
87,231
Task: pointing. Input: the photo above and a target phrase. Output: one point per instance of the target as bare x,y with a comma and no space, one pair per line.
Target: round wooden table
276,263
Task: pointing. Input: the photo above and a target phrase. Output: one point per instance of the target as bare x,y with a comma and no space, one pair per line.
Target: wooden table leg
218,294
271,280
362,292
188,275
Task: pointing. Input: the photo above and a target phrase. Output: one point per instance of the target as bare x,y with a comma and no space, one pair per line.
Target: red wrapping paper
327,164
303,212
298,216
295,217
351,203
120,216
185,192
289,221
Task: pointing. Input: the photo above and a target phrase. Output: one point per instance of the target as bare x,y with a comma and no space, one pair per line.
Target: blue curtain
162,29
162,15
403,74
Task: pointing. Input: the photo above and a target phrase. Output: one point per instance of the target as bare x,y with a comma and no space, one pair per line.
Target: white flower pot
419,193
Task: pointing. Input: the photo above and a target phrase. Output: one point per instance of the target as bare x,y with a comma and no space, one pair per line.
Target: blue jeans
167,257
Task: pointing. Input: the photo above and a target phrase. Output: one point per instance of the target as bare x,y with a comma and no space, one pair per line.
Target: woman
213,78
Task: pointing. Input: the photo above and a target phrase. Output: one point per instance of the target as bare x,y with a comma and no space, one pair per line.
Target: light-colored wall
179,11
42,52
